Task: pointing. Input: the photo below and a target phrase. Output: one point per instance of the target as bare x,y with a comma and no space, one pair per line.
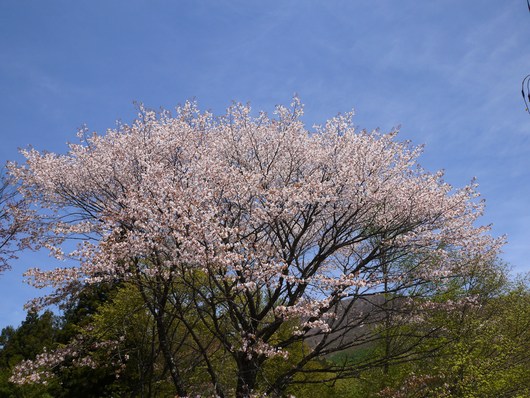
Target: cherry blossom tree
280,242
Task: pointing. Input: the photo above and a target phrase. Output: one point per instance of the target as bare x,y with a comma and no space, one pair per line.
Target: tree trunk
247,373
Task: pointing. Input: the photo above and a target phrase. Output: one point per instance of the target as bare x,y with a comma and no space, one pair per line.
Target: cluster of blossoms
254,346
78,353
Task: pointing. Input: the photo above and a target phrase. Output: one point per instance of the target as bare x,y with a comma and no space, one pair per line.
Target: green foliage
491,356
125,319
484,347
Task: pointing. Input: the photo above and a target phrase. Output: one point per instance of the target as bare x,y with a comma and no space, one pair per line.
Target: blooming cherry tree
252,224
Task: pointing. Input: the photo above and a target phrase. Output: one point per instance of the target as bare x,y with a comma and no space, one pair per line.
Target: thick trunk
246,377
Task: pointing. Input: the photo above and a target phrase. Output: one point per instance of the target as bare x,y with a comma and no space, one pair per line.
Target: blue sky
448,71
